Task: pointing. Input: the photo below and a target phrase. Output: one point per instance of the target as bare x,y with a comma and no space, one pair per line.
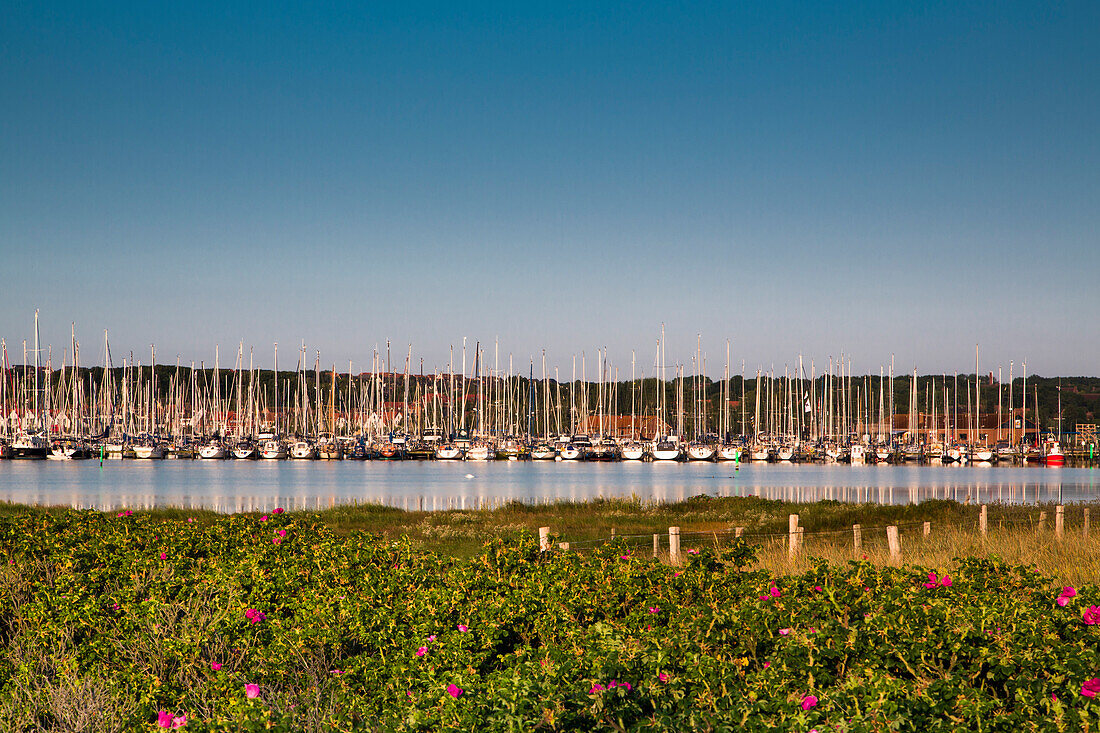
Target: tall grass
1014,534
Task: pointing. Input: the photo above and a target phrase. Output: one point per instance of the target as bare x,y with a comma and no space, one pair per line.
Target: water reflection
236,486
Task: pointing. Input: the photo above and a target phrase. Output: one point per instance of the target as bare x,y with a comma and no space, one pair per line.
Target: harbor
485,409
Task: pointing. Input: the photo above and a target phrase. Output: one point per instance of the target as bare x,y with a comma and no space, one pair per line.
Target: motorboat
30,445
1052,454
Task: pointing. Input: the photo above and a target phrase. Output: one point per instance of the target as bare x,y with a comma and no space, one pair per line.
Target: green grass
705,520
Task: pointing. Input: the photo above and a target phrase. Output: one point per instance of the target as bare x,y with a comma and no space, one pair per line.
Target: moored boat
213,450
273,449
30,445
302,450
479,450
1053,455
666,449
448,452
244,450
729,452
700,451
543,452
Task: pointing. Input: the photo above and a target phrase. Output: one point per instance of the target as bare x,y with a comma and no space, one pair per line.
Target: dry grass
1074,560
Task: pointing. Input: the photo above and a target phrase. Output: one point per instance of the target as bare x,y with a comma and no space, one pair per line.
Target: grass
1014,533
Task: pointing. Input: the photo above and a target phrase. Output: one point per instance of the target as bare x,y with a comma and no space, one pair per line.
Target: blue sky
815,178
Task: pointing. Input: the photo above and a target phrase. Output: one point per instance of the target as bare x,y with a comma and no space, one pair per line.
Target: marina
483,413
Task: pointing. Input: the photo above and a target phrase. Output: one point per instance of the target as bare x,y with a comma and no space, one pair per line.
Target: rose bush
212,626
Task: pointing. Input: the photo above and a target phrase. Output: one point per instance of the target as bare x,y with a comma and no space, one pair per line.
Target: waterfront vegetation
371,618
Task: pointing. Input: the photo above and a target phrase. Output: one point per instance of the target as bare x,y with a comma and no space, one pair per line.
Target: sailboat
664,447
30,442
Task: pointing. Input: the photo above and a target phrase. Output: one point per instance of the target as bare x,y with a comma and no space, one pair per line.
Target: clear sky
799,177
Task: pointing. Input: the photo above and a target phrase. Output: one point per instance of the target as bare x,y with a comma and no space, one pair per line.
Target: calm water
231,486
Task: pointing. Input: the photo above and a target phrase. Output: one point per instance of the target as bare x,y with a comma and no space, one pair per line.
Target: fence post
544,538
612,533
1085,528
984,522
895,543
792,536
563,546
1042,520
740,531
1059,520
927,529
857,535
674,544
656,543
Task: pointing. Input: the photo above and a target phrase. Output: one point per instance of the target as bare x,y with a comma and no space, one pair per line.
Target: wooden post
674,544
895,543
1042,520
1085,528
984,522
656,543
612,533
544,538
927,530
857,535
740,531
1059,520
792,536
563,546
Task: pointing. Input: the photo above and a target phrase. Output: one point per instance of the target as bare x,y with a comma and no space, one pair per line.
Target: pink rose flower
167,720
1091,687
784,632
454,690
421,651
251,691
1091,615
662,677
809,702
215,666
463,628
